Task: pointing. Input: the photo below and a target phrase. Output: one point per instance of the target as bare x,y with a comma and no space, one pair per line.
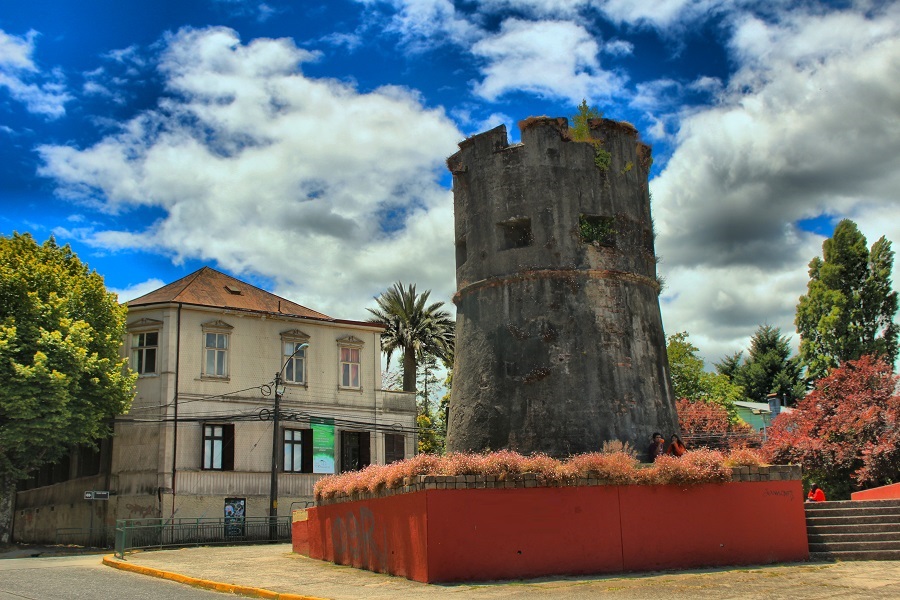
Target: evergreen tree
62,379
768,368
580,129
849,308
430,430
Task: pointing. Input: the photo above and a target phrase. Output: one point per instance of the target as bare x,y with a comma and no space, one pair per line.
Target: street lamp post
273,484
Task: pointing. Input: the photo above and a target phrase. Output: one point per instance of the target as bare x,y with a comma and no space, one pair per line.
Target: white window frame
290,340
351,345
216,328
140,348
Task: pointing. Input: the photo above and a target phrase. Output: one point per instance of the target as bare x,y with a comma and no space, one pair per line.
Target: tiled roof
208,287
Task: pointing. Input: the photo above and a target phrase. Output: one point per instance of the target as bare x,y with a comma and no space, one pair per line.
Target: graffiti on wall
355,541
140,511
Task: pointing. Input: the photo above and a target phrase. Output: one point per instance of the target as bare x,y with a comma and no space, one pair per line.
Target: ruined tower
559,339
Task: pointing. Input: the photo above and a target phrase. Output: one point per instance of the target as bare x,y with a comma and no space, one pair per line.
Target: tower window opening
597,230
515,233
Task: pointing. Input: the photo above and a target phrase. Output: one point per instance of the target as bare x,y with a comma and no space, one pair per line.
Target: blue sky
301,146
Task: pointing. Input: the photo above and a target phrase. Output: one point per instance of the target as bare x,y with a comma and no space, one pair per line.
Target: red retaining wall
484,534
885,492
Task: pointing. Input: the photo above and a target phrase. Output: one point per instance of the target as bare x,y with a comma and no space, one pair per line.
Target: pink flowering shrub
745,457
698,466
616,468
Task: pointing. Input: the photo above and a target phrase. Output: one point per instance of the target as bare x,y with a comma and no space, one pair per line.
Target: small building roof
760,406
208,287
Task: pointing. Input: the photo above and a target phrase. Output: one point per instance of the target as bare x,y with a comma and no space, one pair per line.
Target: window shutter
394,447
228,447
365,452
307,441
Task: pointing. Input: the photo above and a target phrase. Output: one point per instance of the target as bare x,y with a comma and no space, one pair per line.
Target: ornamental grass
611,468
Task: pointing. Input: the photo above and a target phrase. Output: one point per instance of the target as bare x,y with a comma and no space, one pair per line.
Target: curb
229,588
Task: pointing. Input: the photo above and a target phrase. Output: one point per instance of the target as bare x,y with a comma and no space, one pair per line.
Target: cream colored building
207,349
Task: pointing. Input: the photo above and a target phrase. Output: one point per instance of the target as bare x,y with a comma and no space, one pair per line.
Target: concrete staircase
854,530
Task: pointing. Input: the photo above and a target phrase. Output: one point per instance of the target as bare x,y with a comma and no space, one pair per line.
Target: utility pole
276,416
273,486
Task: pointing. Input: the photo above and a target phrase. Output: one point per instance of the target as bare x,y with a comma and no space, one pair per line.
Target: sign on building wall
323,445
235,511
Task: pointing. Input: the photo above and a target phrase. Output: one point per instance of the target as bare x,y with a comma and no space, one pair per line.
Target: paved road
85,578
275,567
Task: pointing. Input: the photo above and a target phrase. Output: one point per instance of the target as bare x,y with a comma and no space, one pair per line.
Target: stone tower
559,339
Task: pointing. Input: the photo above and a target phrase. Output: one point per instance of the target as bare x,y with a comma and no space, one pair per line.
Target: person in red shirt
815,494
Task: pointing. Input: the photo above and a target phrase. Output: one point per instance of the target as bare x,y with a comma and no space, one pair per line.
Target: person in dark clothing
657,447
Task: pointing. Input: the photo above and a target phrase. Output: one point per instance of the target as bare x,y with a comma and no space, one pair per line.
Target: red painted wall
669,527
885,492
477,535
386,535
300,537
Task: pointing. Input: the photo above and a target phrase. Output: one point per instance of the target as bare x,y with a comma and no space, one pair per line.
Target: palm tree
414,327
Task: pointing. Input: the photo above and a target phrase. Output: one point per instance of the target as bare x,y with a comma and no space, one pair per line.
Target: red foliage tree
708,424
846,432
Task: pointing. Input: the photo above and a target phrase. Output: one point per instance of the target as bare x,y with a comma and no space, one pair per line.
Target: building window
294,360
216,351
394,447
350,367
218,447
143,352
355,452
297,451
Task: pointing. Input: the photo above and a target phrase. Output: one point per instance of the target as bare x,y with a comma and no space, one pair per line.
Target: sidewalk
276,568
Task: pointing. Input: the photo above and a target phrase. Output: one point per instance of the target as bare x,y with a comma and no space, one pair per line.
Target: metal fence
133,534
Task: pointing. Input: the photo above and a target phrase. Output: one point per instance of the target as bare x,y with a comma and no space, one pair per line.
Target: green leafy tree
61,375
849,308
691,381
581,131
415,328
769,367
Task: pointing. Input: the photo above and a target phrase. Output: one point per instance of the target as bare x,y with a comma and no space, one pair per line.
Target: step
829,538
851,504
853,528
856,555
854,520
887,511
854,546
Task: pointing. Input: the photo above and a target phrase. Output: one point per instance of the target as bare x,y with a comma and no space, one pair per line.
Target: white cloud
330,193
139,289
671,14
809,124
426,24
618,48
42,94
553,59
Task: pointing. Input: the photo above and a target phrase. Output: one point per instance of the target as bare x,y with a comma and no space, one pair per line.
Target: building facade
199,434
